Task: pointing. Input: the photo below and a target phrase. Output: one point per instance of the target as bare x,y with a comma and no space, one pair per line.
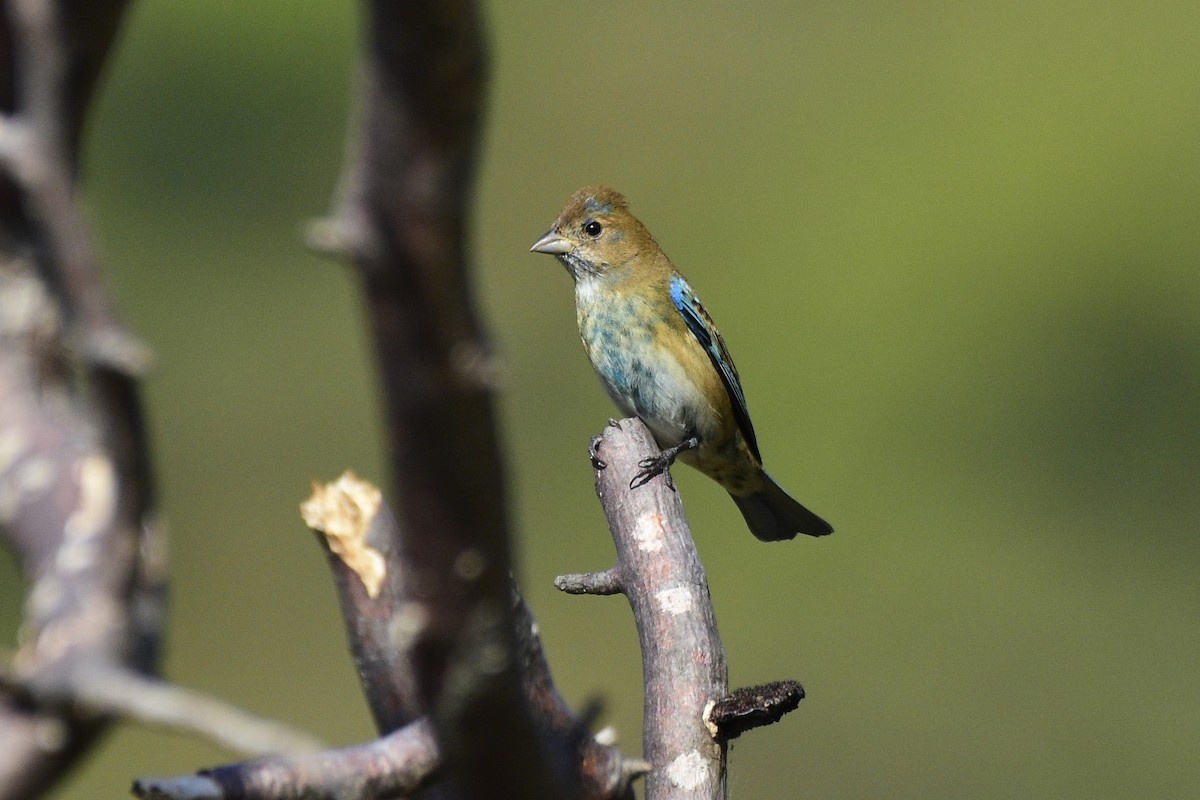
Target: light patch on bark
407,624
688,771
34,475
676,600
648,532
94,512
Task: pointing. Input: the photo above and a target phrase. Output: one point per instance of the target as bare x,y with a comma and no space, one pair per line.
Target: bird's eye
593,228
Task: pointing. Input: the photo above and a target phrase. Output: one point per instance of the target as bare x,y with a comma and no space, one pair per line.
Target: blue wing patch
702,327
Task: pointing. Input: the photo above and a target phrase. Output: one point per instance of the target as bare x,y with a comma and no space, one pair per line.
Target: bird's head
595,234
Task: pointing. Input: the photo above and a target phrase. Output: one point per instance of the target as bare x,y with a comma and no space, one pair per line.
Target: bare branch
683,662
75,473
41,155
745,709
392,766
600,583
362,538
105,691
689,714
604,773
402,217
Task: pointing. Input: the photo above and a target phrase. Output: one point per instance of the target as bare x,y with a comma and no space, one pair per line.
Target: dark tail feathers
774,516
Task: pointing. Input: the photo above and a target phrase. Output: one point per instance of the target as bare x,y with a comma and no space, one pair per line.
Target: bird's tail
774,516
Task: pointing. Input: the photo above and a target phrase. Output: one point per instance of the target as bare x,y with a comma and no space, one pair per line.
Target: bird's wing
702,327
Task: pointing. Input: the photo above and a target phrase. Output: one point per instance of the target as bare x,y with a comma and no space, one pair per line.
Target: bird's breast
650,365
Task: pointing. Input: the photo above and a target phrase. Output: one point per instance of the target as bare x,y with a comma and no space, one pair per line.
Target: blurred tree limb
401,219
364,541
76,495
74,472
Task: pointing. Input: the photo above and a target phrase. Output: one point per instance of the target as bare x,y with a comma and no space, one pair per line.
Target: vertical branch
75,467
402,219
53,69
690,715
659,572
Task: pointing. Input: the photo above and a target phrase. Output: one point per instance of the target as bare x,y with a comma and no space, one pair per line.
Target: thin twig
600,583
389,767
140,698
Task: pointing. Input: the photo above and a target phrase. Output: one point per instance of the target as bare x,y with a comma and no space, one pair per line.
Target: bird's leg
594,452
661,463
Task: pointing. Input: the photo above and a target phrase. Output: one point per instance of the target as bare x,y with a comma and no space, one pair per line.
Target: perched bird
660,358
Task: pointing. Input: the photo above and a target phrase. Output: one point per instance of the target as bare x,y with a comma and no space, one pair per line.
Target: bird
660,358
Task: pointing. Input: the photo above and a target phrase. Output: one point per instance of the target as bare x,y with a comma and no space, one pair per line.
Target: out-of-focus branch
364,541
105,691
392,766
689,712
74,470
604,772
402,220
55,60
361,536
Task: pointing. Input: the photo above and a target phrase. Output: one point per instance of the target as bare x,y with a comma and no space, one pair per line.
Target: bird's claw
661,464
594,452
648,468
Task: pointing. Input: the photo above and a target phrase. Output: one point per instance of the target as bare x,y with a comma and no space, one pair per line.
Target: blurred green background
955,249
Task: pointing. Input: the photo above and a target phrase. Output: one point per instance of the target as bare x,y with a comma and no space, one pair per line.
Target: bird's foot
661,464
649,467
594,452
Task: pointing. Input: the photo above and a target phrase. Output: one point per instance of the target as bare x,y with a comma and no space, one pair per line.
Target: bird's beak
552,244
